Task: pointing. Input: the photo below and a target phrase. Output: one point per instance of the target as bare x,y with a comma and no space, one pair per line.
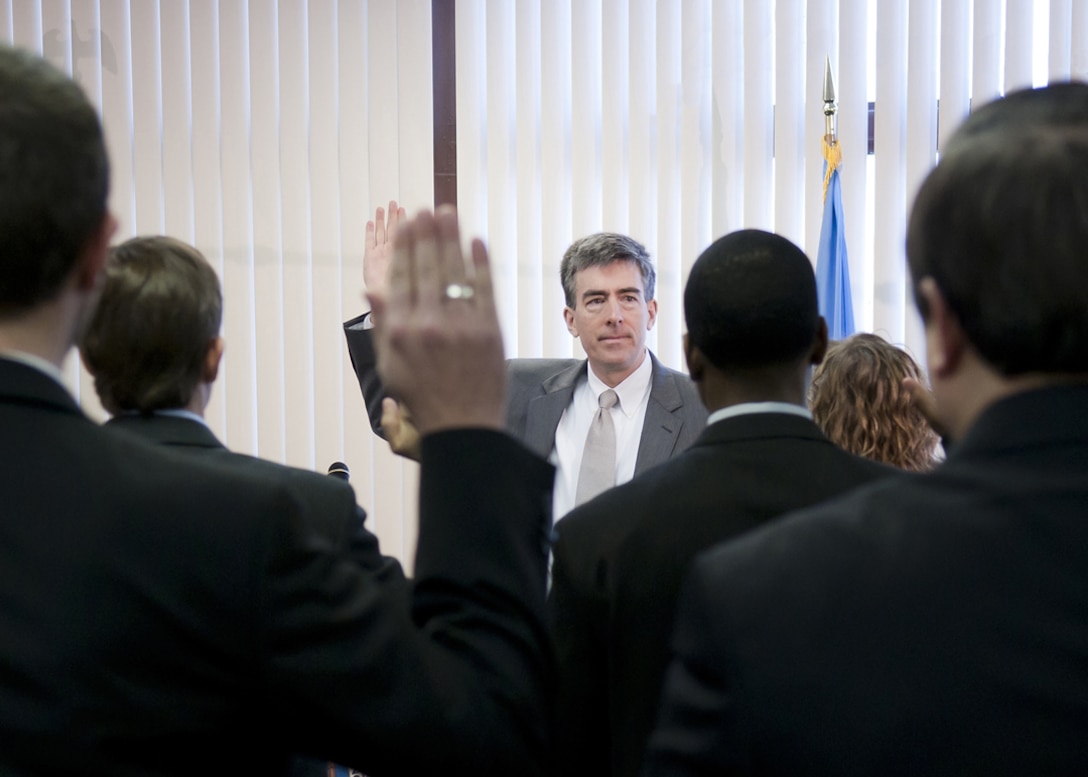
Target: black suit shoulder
165,611
927,611
329,501
735,476
621,558
332,504
330,498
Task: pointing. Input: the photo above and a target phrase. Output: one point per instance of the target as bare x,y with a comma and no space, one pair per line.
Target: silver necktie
598,471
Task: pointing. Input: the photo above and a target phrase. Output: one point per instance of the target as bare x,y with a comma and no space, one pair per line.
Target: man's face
611,317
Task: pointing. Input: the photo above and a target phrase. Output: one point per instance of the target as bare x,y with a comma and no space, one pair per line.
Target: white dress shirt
570,436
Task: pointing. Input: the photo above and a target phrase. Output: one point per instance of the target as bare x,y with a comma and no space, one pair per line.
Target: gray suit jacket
539,390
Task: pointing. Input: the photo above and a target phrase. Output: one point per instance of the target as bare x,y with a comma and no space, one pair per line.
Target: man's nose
615,311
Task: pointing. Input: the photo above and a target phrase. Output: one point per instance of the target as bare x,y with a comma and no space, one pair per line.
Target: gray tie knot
607,399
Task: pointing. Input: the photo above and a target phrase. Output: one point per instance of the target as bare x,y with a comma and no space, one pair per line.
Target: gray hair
603,249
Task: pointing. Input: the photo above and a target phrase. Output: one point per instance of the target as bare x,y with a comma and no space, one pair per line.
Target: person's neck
738,387
45,332
613,378
961,400
198,402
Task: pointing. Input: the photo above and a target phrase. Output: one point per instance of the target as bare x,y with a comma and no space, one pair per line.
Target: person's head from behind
752,317
153,342
54,185
858,398
608,281
998,252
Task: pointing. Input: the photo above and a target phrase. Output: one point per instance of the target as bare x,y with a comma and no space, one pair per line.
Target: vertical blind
265,132
677,122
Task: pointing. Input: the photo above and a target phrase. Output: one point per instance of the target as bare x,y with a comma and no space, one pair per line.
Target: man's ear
568,316
92,259
695,360
819,345
212,359
651,308
946,341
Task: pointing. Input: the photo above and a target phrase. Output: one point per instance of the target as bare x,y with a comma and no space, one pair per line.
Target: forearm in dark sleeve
452,673
485,518
365,362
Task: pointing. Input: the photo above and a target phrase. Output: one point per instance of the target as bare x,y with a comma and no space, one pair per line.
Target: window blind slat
890,153
206,159
328,274
851,81
530,234
238,374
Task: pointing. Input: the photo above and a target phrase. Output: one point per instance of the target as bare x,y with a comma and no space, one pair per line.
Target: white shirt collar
176,412
751,408
631,390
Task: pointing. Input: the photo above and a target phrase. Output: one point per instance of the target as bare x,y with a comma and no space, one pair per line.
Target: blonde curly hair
858,400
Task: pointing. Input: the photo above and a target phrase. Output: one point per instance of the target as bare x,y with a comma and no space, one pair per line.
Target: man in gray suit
608,281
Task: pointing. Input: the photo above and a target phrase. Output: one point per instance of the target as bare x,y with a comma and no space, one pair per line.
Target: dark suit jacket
620,561
161,613
539,390
933,624
324,495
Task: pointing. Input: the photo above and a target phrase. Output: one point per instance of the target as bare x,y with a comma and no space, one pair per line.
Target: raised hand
379,247
399,431
437,336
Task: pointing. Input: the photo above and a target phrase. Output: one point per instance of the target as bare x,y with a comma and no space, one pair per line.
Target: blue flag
832,267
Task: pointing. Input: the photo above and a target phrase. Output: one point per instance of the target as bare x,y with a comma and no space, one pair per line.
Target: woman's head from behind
857,397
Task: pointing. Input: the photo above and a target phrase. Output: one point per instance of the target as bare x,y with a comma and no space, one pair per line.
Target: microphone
339,469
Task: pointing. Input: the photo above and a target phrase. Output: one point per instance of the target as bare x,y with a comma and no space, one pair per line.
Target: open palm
379,248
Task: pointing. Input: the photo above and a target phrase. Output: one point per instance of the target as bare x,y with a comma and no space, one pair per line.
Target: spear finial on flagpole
830,106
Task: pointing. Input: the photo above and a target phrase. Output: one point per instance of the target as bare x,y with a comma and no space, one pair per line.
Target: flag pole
832,269
831,107
831,130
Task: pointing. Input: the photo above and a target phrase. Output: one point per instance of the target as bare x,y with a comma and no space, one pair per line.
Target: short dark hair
160,309
54,178
750,301
601,249
858,399
1001,225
